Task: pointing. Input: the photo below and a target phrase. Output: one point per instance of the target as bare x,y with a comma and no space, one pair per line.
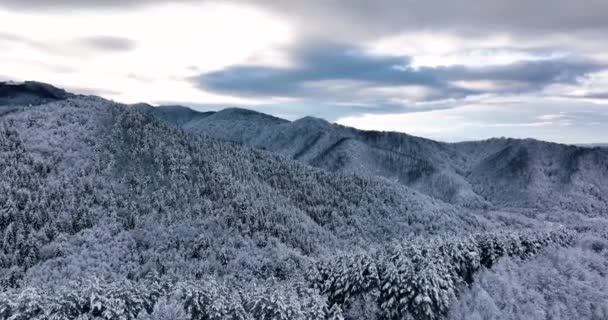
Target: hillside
82,169
499,174
504,174
107,212
29,93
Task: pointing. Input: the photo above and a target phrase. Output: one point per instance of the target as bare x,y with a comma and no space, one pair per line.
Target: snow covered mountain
88,164
107,212
29,93
496,173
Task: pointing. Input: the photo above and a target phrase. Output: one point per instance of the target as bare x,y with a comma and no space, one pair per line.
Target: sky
447,70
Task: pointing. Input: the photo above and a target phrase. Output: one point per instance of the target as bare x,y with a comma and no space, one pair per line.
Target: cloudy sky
449,70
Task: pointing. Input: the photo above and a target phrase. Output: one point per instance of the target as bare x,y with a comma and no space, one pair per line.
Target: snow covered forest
111,211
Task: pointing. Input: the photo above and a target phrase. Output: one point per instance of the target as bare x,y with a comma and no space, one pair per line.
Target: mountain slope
108,213
420,163
499,173
536,174
84,169
29,93
175,115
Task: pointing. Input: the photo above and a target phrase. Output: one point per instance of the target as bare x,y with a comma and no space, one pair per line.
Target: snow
107,212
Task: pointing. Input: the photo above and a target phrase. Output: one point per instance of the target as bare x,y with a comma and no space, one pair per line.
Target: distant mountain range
496,173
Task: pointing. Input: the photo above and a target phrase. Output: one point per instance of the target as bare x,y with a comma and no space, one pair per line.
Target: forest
107,212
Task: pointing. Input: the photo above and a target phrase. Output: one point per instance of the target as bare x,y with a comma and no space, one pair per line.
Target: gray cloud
592,95
91,91
11,38
600,96
5,36
108,43
462,16
105,43
321,62
363,18
533,74
316,63
326,70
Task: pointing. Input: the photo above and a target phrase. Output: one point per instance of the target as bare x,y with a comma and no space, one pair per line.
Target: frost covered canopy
107,212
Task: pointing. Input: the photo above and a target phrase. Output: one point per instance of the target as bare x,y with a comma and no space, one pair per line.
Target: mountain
406,159
593,145
29,93
506,174
175,115
108,212
82,169
105,204
536,174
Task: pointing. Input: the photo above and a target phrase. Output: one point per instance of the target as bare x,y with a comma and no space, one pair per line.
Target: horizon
472,71
227,107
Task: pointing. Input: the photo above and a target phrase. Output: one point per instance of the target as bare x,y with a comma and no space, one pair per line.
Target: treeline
414,280
420,279
197,300
561,284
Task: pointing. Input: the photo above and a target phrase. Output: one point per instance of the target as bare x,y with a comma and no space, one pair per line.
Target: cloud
521,124
5,36
12,38
34,5
392,16
314,64
328,70
533,75
551,116
104,43
108,43
90,91
591,95
522,117
598,95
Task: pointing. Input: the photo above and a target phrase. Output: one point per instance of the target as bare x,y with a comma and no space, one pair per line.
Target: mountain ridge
85,164
442,170
30,93
463,173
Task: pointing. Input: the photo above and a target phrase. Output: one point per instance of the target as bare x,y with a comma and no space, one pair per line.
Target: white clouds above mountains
459,69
